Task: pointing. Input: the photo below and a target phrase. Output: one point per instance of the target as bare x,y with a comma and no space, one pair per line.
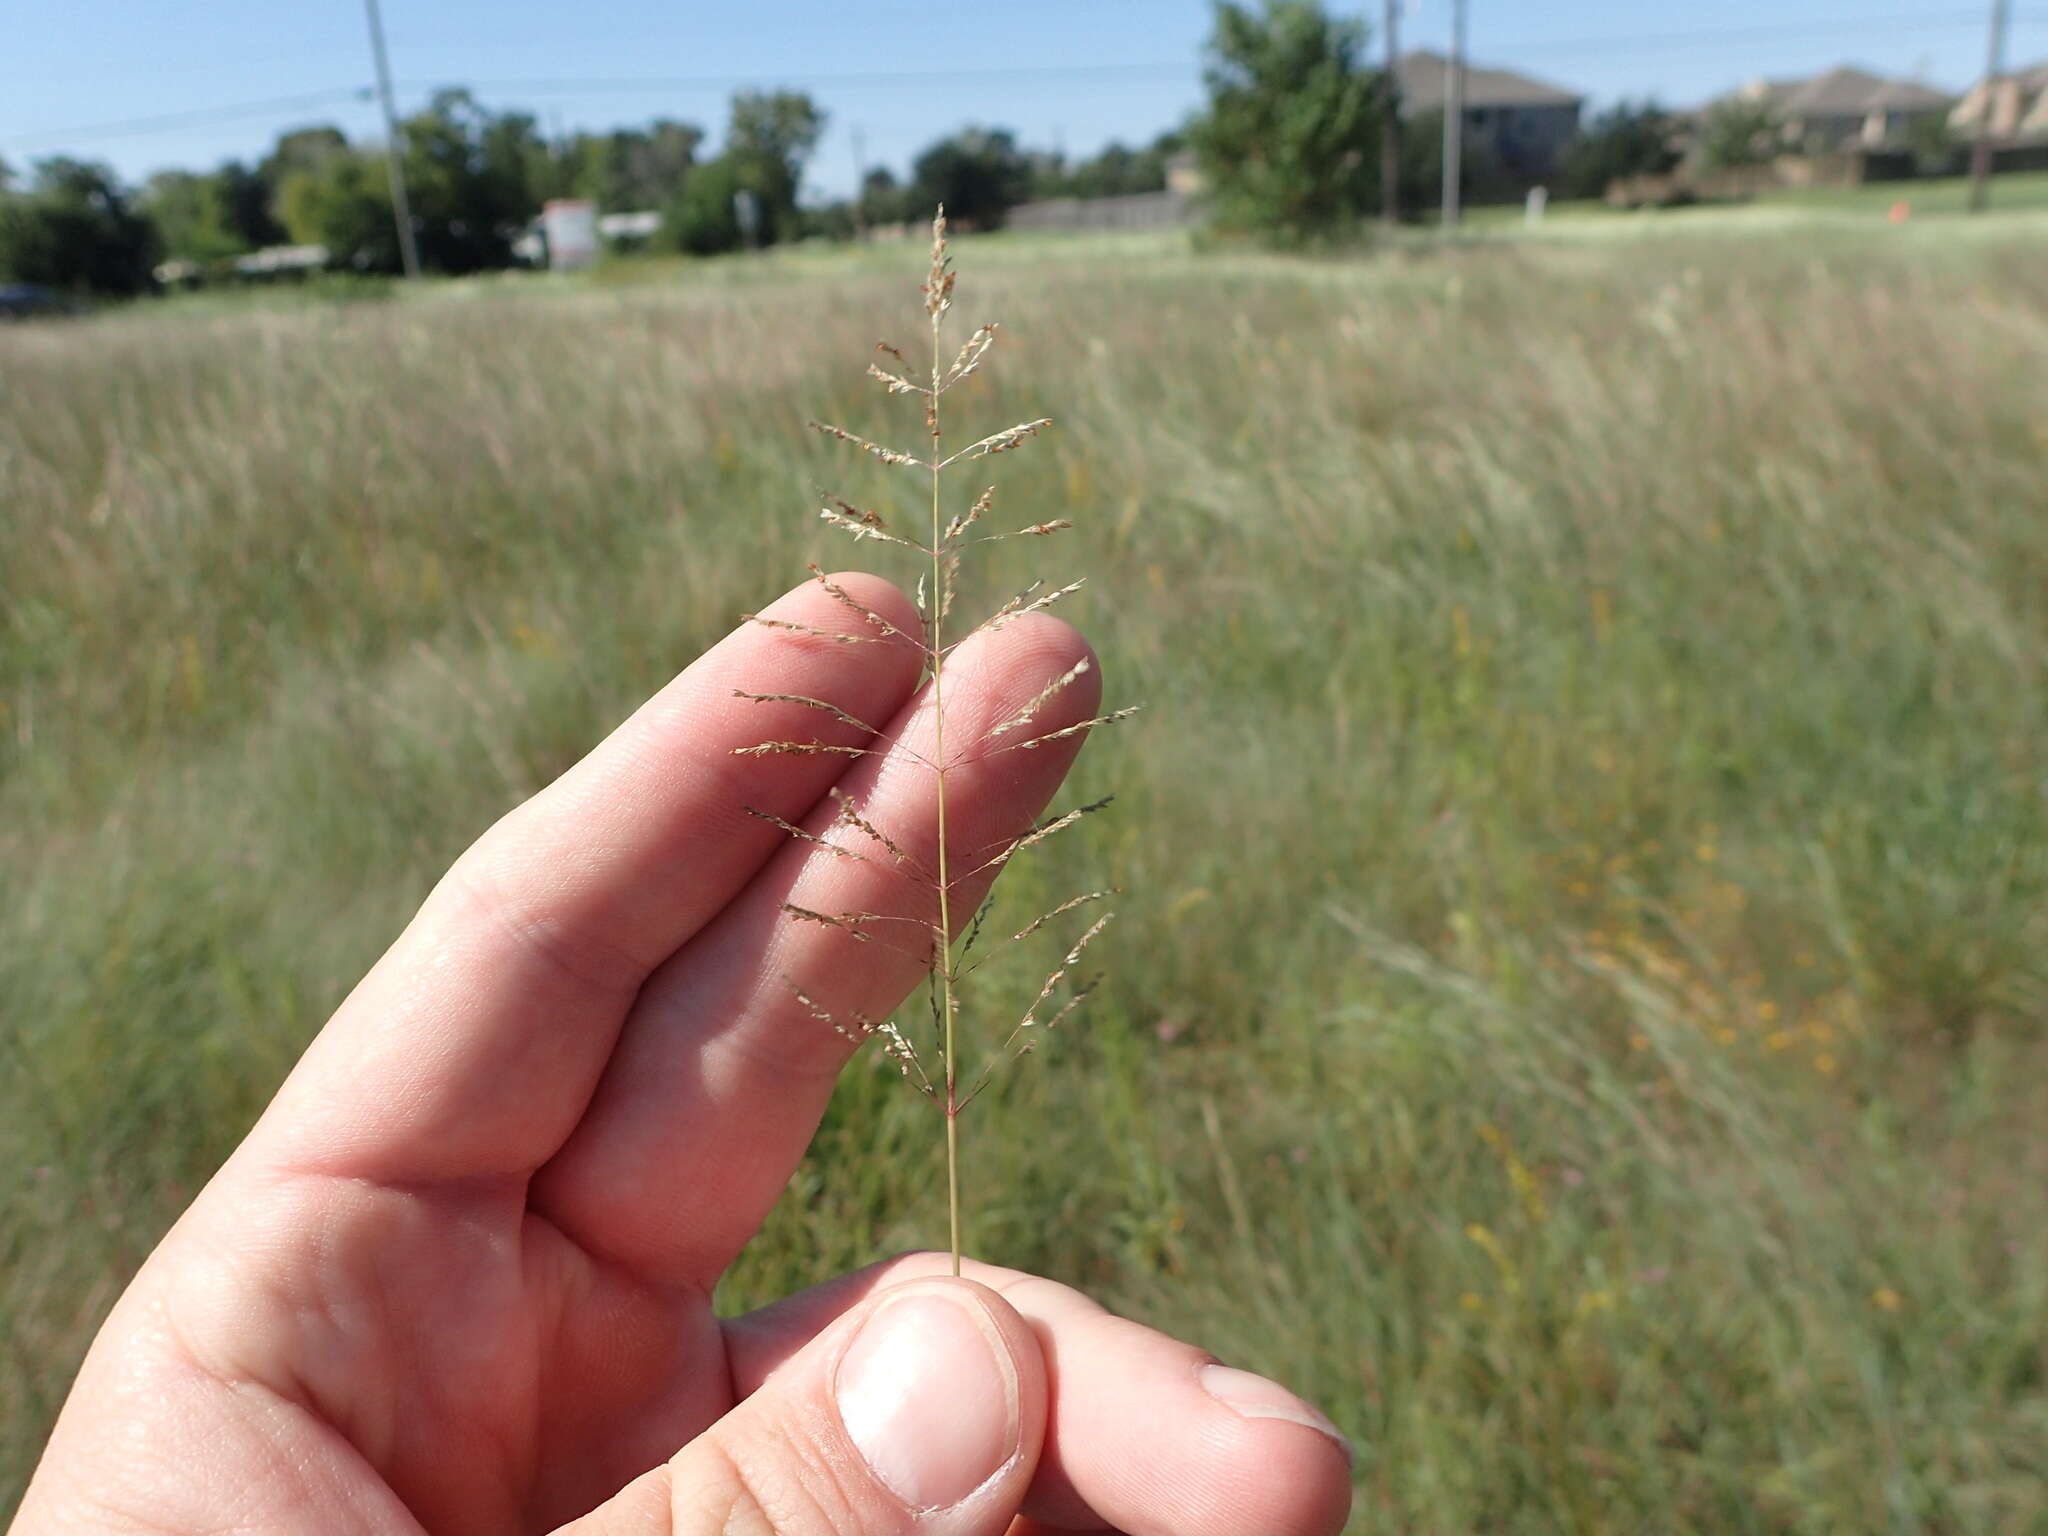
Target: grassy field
1579,1010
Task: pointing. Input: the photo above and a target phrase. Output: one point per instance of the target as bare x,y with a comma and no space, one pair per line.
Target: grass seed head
937,582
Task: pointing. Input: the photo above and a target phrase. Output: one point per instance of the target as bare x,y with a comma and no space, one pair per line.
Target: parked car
27,301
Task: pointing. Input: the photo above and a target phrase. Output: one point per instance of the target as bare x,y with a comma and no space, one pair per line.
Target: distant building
2017,102
1845,108
642,225
1525,123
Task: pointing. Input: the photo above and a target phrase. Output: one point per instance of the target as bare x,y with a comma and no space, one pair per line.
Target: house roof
1844,91
1421,75
2034,78
2018,101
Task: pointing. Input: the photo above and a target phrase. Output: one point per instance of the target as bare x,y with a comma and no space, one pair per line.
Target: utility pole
1980,152
1454,113
1390,129
860,188
394,152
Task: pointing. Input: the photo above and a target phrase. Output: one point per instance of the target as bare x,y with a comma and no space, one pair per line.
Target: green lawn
1578,1009
1939,196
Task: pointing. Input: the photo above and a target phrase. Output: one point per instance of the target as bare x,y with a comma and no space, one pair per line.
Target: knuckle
486,902
787,1487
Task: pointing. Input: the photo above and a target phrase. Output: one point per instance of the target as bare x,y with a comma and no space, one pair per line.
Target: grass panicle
937,581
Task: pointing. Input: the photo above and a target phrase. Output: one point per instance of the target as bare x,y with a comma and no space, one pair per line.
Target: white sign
570,225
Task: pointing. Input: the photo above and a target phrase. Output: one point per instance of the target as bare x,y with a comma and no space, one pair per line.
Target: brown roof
1421,75
1844,91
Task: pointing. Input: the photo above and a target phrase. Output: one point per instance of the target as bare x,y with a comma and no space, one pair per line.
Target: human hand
458,1277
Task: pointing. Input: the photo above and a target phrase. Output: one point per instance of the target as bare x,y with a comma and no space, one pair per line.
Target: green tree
883,199
654,163
768,141
204,216
191,215
630,169
470,178
1628,139
301,149
246,200
1120,171
979,174
1738,132
1289,142
701,219
474,178
74,229
343,203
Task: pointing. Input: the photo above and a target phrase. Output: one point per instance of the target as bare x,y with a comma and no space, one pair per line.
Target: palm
533,1380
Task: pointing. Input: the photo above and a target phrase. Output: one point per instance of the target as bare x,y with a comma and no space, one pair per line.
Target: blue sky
897,73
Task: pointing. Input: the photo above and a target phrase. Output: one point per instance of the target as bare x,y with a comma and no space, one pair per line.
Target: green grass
2019,191
1578,1010
1935,196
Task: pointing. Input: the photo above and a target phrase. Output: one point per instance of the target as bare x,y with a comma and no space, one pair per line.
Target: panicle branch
807,702
1024,716
1073,730
886,455
864,525
972,515
850,815
836,636
797,832
1024,603
896,384
847,599
999,442
1038,834
970,355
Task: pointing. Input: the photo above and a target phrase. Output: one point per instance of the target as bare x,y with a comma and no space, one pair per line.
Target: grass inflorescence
939,550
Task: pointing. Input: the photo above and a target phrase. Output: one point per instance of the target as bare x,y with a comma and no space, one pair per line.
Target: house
2018,104
1845,108
1524,123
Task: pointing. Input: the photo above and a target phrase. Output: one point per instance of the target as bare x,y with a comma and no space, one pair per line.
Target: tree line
476,178
1288,143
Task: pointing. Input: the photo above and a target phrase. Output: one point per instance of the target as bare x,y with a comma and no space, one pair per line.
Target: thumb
922,1410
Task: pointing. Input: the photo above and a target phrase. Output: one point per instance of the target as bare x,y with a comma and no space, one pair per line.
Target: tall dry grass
1584,1021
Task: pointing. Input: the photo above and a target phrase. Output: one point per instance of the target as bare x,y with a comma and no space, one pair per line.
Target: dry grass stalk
938,886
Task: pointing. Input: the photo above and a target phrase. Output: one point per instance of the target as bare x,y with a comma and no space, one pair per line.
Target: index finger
472,1047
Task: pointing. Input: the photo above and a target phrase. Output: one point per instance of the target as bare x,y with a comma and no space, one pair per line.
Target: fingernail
1254,1397
928,1394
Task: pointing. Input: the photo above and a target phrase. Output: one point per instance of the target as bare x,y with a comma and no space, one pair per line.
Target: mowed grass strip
1578,1014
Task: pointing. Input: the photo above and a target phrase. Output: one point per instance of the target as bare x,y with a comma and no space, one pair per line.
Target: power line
1183,69
197,117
